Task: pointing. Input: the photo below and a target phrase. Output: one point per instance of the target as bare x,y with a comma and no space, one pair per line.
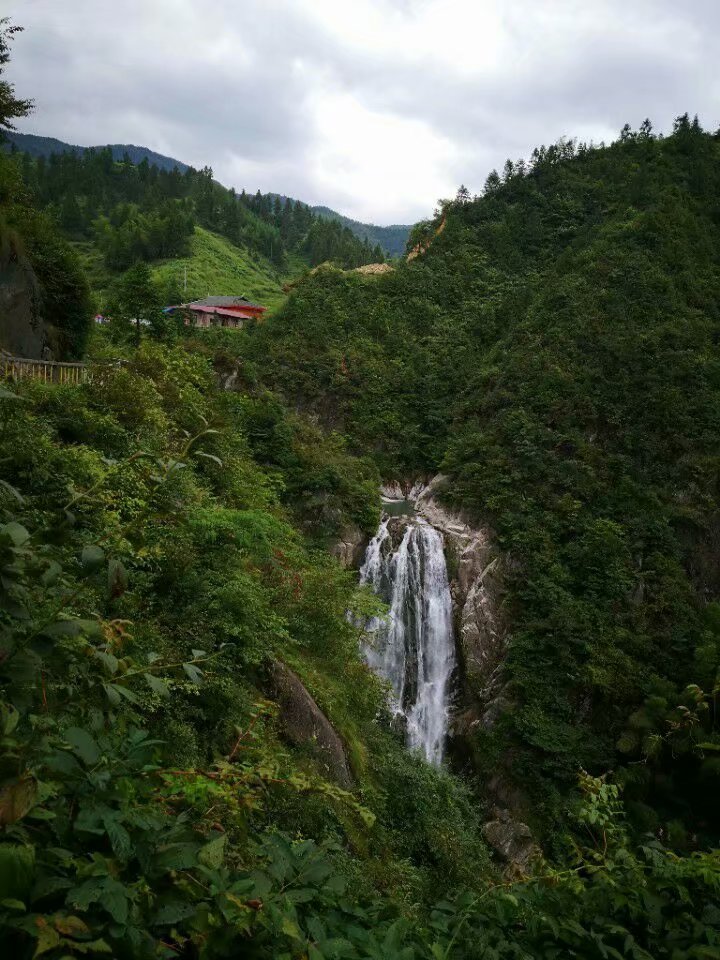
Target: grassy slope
215,266
218,267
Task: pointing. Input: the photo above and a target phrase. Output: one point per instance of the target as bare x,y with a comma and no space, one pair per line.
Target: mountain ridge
391,238
39,146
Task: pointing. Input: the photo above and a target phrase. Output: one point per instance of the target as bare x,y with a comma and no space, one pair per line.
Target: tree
11,108
139,302
493,182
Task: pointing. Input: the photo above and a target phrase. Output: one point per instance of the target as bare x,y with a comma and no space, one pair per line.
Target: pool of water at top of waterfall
398,508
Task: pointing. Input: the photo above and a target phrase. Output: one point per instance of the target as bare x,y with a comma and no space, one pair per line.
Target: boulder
512,843
304,724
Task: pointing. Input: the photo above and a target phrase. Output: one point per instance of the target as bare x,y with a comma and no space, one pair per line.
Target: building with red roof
220,311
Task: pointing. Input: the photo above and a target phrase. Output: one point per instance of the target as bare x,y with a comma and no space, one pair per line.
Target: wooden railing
50,371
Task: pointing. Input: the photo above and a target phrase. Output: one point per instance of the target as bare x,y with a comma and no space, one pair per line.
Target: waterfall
413,648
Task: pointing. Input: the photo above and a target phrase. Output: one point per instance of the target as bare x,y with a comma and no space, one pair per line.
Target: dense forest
140,211
555,354
166,586
392,239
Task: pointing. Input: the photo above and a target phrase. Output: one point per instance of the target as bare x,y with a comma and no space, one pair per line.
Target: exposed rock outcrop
22,331
349,549
475,569
402,490
304,724
374,269
512,842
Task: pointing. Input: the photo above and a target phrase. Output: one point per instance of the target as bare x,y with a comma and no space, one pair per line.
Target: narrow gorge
441,644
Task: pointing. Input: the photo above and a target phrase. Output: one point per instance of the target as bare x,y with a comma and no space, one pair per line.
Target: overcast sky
373,107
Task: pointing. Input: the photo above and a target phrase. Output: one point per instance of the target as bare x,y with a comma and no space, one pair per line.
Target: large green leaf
157,685
16,799
119,837
74,628
83,745
211,855
15,532
193,672
117,579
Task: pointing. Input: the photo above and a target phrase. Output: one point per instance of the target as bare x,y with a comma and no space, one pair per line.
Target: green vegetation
38,146
34,259
118,213
216,264
127,212
11,107
555,353
151,576
212,263
164,547
149,805
392,239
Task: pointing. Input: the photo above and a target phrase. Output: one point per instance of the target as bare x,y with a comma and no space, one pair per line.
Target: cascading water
413,648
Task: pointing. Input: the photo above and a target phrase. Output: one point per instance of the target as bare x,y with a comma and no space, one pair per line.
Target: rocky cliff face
475,570
350,547
22,331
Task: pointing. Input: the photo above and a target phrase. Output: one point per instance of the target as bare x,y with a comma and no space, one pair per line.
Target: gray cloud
363,107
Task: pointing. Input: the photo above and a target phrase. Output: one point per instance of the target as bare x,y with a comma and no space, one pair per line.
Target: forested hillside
143,211
195,759
556,354
44,296
336,238
393,239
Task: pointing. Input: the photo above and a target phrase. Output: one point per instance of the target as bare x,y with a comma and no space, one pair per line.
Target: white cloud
376,161
376,107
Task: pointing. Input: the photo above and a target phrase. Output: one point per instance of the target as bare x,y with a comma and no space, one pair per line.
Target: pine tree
492,184
11,108
138,300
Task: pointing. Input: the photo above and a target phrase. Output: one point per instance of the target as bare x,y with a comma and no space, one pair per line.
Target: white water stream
413,648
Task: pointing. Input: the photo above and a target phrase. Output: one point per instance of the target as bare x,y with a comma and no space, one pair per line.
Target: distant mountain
392,239
43,146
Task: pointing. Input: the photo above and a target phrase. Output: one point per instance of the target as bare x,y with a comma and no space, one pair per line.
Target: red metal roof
224,312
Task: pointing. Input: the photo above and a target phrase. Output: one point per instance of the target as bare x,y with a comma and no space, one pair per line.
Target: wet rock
304,724
402,490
